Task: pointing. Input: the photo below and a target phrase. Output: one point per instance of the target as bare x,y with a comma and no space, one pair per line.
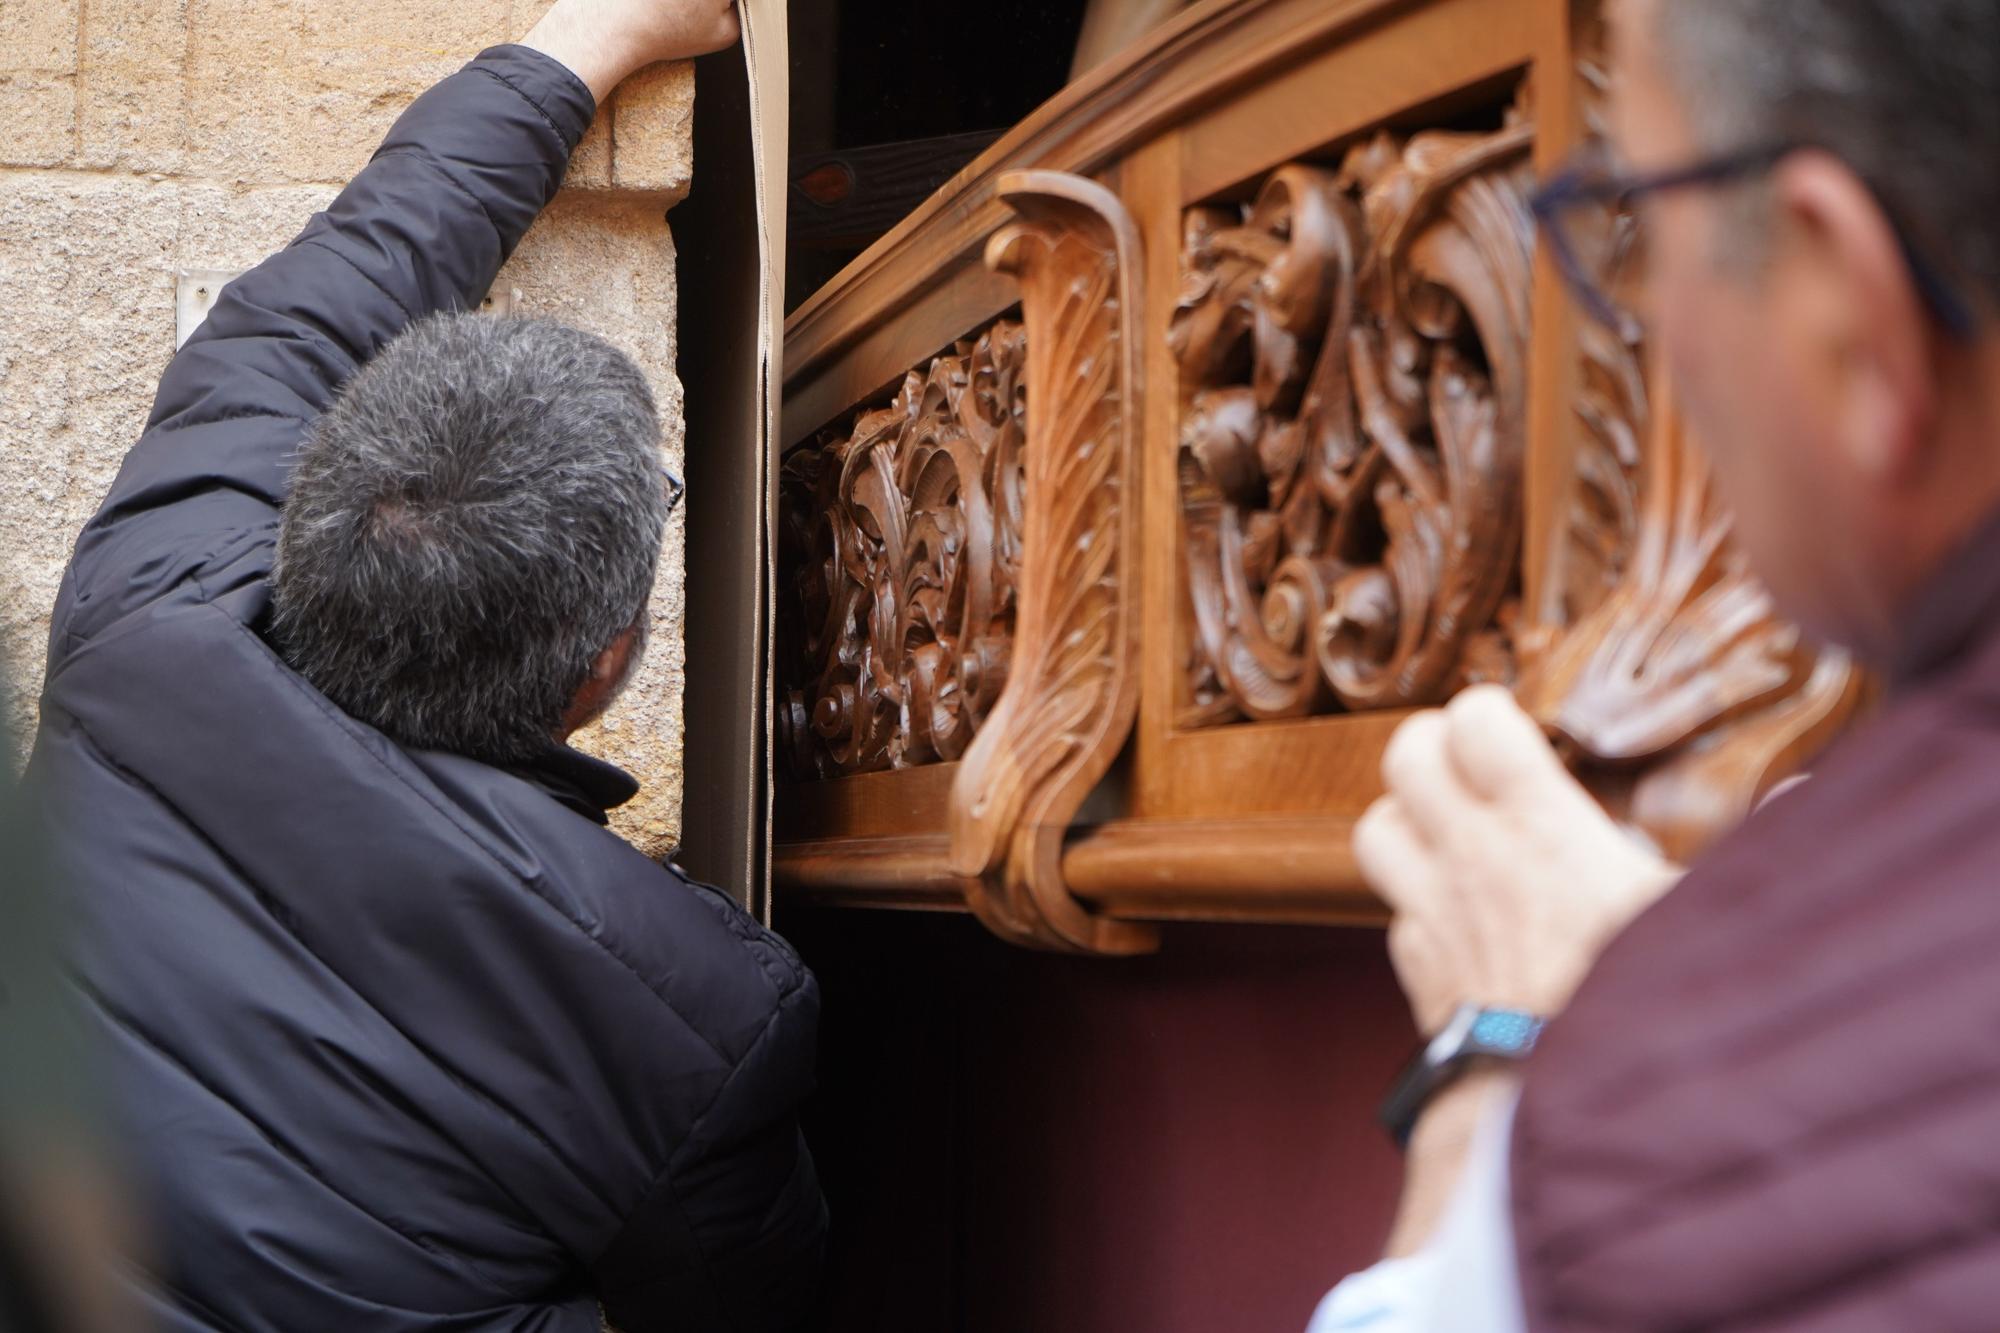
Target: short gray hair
1903,91
472,522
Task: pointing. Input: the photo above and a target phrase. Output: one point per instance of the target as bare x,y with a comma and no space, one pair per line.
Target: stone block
590,164
39,36
39,111
228,228
300,91
249,96
652,147
38,58
86,276
400,33
132,92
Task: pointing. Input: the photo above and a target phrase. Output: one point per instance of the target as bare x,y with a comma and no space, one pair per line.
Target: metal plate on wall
195,290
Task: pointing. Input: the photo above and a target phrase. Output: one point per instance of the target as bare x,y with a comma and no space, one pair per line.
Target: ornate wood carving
1353,354
1072,690
1342,518
900,544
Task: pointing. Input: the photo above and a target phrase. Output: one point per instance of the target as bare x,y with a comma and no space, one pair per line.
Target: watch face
1505,1031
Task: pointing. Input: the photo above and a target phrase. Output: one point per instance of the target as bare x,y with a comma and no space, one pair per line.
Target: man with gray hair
1765,1093
400,1036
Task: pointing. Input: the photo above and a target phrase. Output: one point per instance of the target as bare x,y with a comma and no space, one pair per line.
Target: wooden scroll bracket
1072,692
1682,697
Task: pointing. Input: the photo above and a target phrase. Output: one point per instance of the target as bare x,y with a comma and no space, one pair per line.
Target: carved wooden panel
900,545
1353,353
959,569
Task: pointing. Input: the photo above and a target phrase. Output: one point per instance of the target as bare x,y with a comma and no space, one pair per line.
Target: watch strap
1473,1032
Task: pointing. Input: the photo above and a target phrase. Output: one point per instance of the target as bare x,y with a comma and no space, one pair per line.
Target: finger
1394,858
1418,773
1495,749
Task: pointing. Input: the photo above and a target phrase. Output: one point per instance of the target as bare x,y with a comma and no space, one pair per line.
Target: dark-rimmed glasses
1592,182
676,488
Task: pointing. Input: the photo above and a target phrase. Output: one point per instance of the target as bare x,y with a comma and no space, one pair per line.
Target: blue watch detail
1471,1032
1505,1031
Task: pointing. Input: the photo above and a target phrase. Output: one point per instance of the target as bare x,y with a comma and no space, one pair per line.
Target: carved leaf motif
1681,695
1072,689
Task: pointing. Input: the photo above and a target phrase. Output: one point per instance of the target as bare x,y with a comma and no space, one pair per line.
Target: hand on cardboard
1506,877
602,41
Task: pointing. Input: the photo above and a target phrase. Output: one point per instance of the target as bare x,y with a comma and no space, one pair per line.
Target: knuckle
1411,749
1495,744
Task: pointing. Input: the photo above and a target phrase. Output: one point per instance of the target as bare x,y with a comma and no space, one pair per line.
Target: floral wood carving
1353,350
1353,355
901,537
1072,688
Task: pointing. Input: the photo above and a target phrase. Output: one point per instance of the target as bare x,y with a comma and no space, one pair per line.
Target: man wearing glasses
401,1036
1766,1098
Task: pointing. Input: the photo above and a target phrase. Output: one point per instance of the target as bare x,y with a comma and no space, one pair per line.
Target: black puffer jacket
403,1041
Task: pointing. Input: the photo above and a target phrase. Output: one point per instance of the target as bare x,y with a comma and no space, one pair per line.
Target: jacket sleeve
732,1236
423,228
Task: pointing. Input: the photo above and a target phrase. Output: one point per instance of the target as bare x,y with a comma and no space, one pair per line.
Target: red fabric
1014,1142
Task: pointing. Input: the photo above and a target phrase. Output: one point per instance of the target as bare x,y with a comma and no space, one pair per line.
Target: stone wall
146,137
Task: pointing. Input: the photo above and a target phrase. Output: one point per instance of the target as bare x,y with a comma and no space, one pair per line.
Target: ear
607,673
1851,307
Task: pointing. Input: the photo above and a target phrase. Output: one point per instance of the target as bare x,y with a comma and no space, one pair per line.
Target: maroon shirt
1775,1104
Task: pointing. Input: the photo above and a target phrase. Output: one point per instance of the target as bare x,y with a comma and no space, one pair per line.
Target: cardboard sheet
731,237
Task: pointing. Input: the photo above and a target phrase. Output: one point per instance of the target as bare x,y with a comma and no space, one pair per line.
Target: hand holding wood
1506,878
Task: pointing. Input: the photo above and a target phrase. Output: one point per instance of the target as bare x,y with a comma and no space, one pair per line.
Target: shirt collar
1956,610
585,784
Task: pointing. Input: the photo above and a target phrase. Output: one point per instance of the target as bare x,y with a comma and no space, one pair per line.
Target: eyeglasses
1586,215
676,488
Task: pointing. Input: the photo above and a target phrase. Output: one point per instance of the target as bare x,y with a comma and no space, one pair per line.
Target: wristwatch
1473,1033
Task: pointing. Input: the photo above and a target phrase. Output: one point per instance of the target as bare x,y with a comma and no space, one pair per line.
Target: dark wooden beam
844,200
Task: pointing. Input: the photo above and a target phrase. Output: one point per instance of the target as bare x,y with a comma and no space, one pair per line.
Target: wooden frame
1079,832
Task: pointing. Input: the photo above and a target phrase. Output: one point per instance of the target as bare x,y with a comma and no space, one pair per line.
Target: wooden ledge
1277,871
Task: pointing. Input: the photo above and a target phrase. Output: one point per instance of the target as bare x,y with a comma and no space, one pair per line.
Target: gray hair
1906,92
475,519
